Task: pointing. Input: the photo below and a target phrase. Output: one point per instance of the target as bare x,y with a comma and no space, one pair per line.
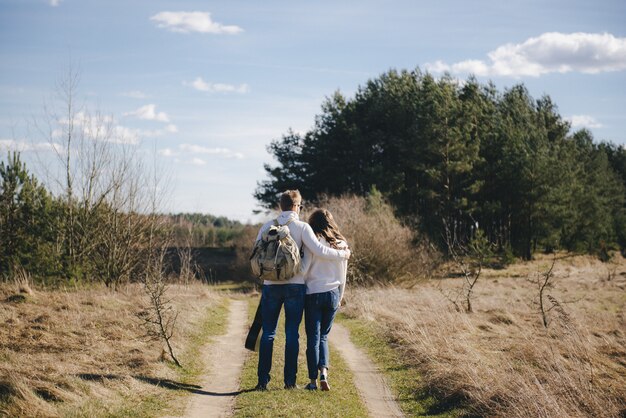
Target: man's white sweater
303,235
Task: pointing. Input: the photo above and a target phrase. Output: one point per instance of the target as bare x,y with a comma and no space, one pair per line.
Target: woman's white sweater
325,274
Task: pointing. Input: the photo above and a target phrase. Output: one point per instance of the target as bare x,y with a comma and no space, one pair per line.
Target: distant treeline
98,234
457,156
203,230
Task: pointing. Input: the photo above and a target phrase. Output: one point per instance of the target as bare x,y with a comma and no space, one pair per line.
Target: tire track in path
369,381
224,360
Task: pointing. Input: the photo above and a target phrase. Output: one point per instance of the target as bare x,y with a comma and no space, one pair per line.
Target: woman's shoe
324,383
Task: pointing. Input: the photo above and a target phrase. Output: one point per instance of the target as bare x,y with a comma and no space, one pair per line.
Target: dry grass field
81,352
501,360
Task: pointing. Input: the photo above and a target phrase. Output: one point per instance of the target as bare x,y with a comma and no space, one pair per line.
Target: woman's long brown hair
324,225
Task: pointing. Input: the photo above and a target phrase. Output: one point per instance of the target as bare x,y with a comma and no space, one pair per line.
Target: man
290,293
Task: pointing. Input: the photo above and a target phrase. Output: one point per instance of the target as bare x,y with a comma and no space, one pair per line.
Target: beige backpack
276,255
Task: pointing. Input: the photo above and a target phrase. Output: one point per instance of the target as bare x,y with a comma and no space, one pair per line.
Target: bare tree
544,282
58,128
158,316
470,258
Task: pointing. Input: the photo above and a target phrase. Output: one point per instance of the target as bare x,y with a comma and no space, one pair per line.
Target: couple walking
317,290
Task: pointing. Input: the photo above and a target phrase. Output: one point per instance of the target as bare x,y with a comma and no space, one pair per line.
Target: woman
325,283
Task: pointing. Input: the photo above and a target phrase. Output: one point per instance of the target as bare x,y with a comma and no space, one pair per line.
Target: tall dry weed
23,281
501,360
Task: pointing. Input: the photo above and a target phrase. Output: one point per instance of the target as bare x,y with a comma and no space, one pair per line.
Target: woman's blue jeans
273,297
319,313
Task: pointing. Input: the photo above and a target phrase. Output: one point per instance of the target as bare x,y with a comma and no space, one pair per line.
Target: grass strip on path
213,324
402,377
342,401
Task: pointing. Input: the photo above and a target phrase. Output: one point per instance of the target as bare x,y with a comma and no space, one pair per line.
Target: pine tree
28,216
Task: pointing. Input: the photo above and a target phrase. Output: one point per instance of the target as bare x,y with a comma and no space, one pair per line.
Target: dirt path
224,359
369,381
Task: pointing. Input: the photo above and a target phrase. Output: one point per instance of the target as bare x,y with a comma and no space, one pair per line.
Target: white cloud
55,3
190,149
198,84
167,152
135,94
25,146
550,52
123,135
197,161
153,133
201,85
102,128
148,112
437,67
186,22
83,118
106,128
197,149
583,121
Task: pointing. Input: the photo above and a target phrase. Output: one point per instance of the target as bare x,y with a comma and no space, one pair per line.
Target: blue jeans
319,311
273,297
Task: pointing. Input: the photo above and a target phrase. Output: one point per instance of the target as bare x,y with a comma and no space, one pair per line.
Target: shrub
243,244
383,248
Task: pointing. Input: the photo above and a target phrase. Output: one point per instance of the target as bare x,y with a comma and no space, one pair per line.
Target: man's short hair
289,199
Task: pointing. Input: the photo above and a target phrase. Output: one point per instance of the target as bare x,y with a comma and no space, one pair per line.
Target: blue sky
209,84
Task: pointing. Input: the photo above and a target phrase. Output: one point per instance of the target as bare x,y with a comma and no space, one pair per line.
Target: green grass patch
404,380
149,406
342,401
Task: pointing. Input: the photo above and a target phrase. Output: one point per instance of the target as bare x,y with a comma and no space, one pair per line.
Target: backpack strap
285,224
